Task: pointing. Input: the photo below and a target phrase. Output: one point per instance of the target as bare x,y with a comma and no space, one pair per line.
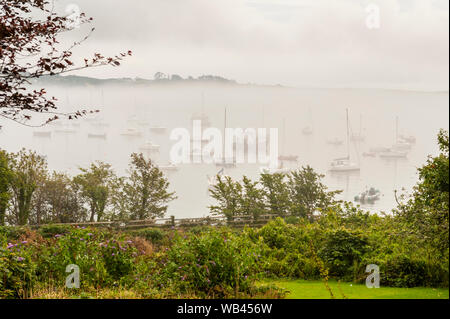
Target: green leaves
299,193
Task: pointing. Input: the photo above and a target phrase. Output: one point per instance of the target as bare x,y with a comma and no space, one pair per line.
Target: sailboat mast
348,137
396,128
284,135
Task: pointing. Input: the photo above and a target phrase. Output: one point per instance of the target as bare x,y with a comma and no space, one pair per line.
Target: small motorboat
368,196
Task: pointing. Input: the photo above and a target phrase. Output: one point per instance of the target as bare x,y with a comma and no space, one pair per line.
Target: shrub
16,271
153,235
49,231
343,251
13,232
214,263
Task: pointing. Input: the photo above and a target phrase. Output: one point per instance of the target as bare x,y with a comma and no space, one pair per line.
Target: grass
302,289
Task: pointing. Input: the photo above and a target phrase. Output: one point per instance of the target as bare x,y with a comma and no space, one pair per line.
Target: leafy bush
216,263
16,271
343,251
153,235
49,231
13,233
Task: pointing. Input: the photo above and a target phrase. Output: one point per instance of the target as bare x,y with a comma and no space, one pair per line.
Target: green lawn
301,289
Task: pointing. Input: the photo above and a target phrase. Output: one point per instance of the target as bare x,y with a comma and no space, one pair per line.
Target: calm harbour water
373,112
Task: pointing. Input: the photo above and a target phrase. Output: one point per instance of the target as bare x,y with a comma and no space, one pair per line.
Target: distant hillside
74,80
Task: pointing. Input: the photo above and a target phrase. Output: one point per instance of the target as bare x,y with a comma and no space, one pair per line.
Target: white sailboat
398,150
308,130
202,115
358,137
283,156
225,161
344,164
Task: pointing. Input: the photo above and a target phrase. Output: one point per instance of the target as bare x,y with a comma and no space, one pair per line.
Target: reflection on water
131,118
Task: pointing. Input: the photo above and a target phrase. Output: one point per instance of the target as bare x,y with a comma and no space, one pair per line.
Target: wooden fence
238,222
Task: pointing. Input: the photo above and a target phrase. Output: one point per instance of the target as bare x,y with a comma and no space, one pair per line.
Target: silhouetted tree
29,50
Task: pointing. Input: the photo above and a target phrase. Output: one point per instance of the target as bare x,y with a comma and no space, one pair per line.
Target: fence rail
238,222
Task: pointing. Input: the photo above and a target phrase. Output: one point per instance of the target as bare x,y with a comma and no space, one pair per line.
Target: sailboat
358,137
149,146
225,161
398,149
202,115
288,158
308,130
344,164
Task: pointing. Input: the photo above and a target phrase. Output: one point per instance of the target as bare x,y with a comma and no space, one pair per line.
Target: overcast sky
319,43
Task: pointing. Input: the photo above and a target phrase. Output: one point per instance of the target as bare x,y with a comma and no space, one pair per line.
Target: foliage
29,172
29,50
299,193
217,263
144,193
95,183
5,178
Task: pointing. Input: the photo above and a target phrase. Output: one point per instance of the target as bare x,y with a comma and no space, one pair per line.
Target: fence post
172,220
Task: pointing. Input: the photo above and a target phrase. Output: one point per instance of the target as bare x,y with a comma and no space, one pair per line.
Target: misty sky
313,43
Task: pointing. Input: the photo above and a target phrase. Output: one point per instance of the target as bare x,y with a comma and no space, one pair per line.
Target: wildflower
112,254
24,242
20,259
58,235
10,246
89,234
81,239
129,242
